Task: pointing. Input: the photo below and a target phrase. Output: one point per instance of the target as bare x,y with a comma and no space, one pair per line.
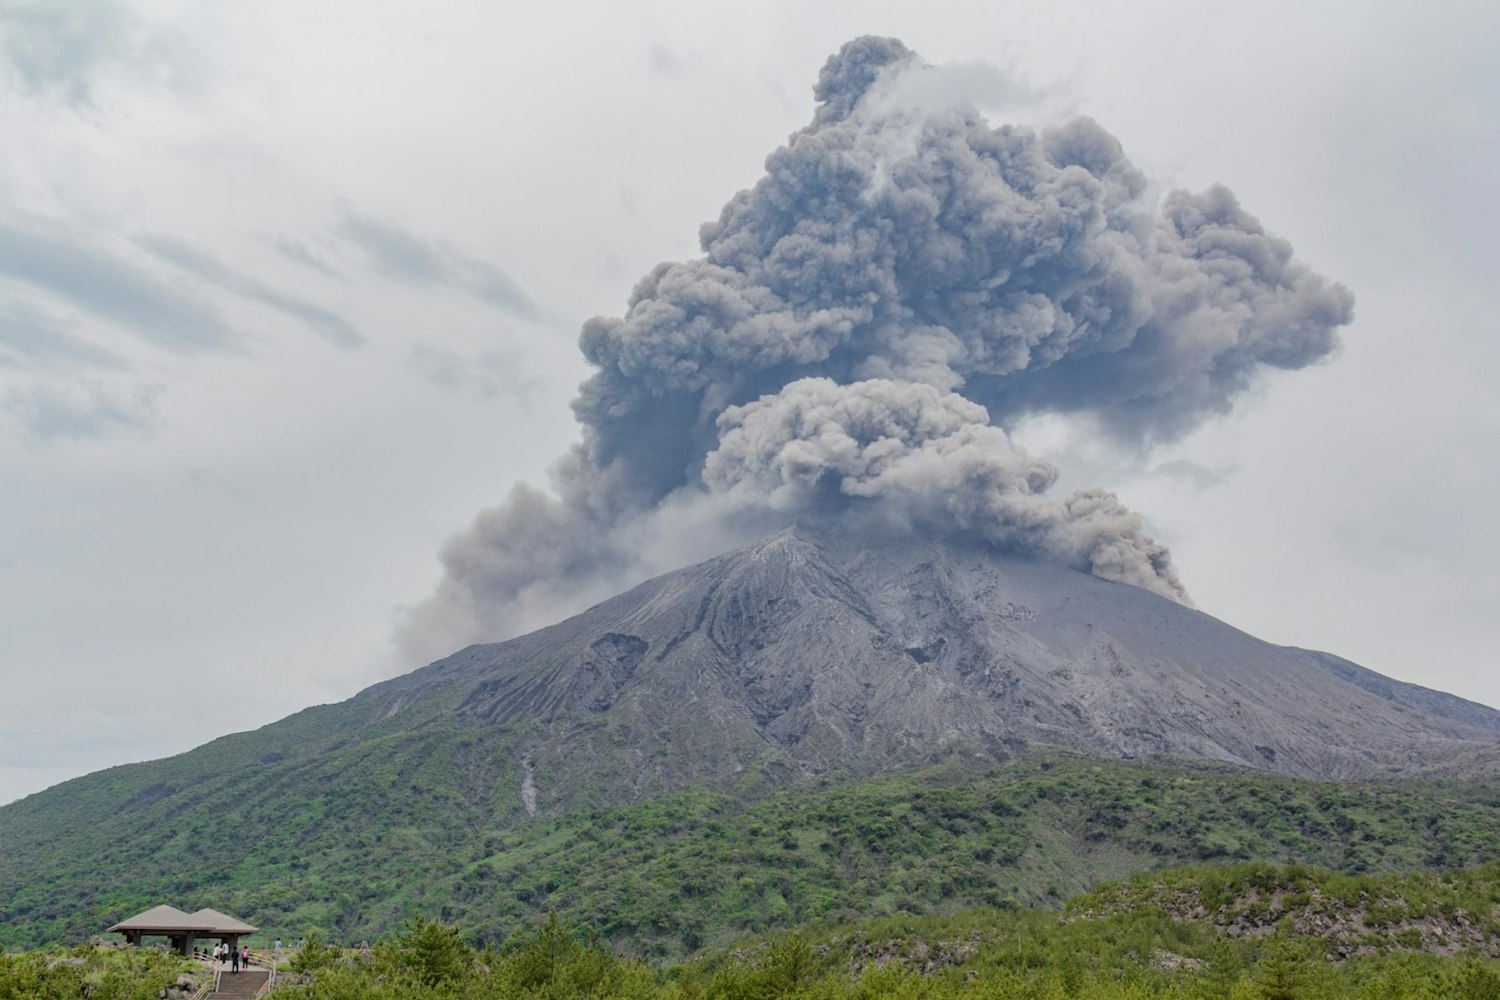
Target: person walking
234,959
245,958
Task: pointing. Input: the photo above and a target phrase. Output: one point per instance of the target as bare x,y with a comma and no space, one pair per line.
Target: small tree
1281,972
434,953
314,953
788,966
550,947
1224,968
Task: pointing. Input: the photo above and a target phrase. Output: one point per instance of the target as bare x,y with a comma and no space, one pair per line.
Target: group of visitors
236,959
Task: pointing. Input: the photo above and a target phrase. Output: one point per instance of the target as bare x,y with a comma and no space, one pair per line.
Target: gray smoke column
905,281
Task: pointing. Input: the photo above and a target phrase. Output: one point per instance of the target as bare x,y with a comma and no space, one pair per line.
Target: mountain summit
817,653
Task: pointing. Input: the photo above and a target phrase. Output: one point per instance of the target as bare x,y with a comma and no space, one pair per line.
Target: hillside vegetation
98,974
1242,932
677,874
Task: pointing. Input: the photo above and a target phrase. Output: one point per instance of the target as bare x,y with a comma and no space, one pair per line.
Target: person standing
234,959
245,958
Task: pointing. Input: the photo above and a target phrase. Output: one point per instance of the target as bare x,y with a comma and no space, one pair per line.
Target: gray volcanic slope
810,654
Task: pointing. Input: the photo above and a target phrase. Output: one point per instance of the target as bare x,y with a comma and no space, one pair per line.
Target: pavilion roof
156,918
169,919
224,923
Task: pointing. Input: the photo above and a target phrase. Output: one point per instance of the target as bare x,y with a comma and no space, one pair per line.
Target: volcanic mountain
812,653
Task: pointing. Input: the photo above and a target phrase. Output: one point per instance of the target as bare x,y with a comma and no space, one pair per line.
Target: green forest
1246,932
669,877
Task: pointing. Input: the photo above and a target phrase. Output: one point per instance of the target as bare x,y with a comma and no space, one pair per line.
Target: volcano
816,652
808,661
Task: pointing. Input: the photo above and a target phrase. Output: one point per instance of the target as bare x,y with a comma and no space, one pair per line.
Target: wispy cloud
328,325
30,338
665,60
112,288
61,48
83,410
54,46
296,250
1199,476
490,374
410,258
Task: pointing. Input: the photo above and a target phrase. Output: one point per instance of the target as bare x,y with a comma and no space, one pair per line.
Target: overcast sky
289,291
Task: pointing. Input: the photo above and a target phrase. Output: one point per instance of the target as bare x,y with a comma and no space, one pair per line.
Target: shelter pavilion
183,929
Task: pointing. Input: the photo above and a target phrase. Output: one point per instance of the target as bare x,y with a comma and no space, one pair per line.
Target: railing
212,986
269,964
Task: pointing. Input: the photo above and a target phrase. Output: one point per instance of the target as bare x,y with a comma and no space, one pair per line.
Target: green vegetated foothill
668,877
1243,932
1090,953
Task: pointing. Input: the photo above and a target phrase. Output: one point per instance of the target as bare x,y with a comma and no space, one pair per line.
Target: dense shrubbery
95,973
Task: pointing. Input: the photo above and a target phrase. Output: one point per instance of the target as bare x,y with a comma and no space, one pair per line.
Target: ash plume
929,460
905,281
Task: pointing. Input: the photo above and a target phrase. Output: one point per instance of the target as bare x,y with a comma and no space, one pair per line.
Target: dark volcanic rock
812,653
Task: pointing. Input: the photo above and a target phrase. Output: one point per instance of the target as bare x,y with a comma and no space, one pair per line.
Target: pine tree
1281,972
1224,968
434,952
314,954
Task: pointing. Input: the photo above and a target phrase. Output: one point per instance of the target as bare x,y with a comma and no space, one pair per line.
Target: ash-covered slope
1423,699
812,653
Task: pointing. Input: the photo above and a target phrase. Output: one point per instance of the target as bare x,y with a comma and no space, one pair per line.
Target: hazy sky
289,291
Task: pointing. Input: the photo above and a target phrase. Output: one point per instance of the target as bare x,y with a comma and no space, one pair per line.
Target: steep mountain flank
812,654
1414,696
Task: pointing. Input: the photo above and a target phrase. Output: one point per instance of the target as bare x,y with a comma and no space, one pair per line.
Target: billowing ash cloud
904,278
929,459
